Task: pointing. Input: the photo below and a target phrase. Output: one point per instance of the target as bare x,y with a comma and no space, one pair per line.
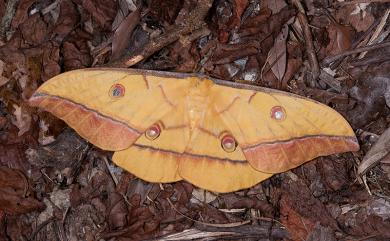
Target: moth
221,136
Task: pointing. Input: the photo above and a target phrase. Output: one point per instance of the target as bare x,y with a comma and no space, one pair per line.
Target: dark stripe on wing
35,100
242,162
350,139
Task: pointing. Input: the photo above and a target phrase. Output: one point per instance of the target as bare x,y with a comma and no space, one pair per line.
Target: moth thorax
196,106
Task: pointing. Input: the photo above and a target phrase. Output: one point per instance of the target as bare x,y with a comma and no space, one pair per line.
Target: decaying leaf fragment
22,119
15,194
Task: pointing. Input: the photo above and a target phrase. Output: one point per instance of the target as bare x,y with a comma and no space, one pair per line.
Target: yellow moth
219,135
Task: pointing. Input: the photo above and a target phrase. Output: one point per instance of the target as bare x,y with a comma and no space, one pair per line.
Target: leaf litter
55,186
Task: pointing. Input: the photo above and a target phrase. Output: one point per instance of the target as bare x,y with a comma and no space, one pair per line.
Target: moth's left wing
110,108
278,131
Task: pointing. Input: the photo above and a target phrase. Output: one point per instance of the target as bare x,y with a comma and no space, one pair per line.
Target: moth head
153,132
278,113
116,91
228,143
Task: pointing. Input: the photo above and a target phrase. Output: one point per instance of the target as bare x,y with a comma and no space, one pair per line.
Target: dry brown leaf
34,30
76,54
202,196
123,33
275,5
50,59
14,192
103,12
278,54
116,211
379,151
165,10
300,210
124,9
240,6
21,14
68,17
357,16
340,38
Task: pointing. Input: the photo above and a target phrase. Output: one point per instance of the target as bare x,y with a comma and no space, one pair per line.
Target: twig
269,220
378,30
195,234
232,210
358,43
221,225
60,231
187,40
360,1
40,226
65,215
51,7
364,179
330,80
47,176
309,42
330,59
364,238
194,21
109,170
217,225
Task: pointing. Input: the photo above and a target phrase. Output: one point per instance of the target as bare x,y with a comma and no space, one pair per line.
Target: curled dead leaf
378,152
